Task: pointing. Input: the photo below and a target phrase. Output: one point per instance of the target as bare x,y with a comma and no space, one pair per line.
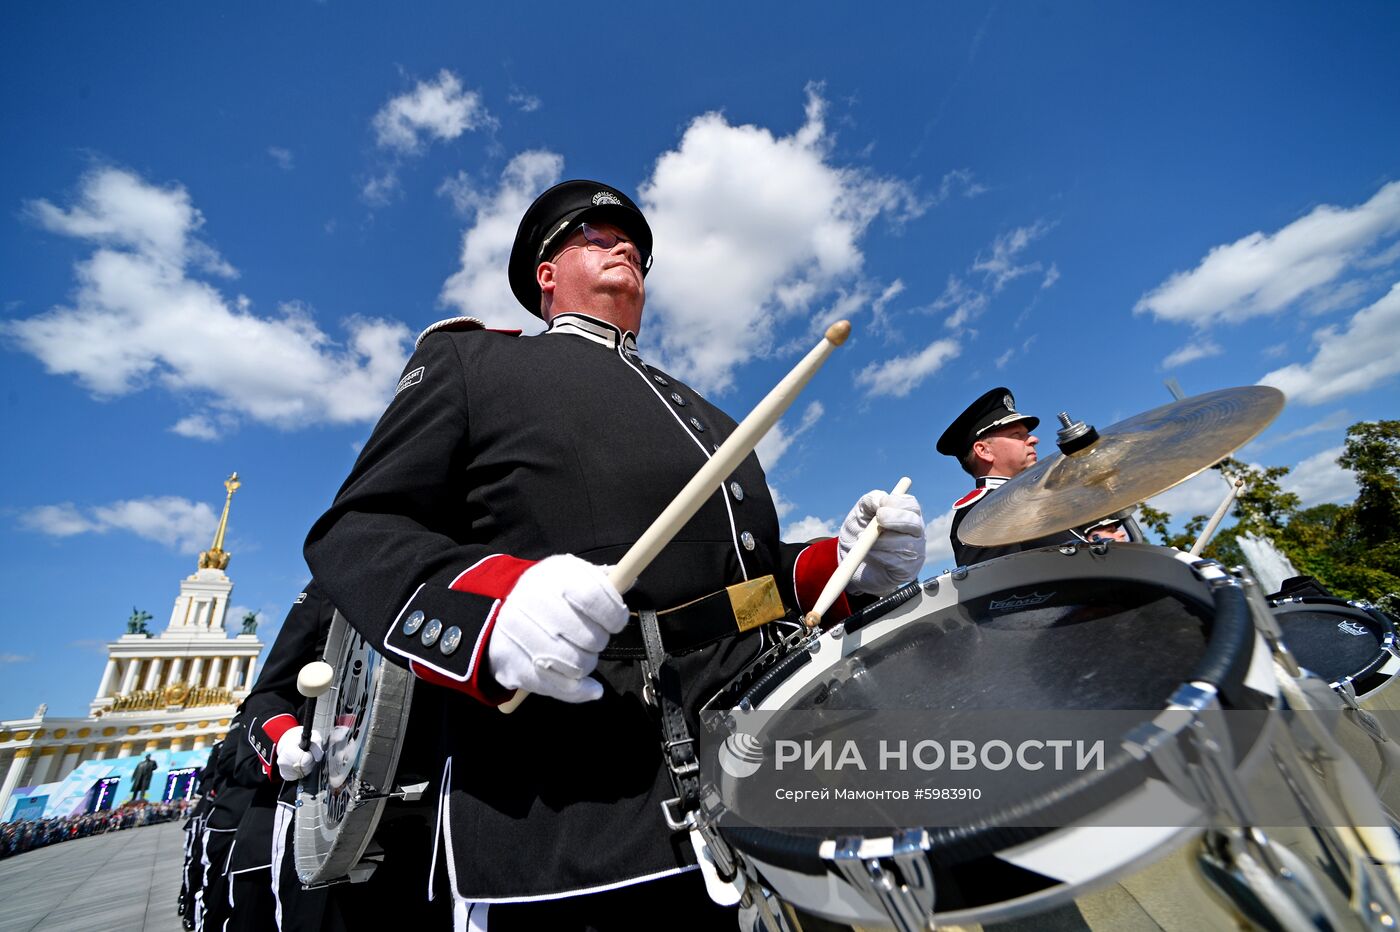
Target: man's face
1012,449
586,258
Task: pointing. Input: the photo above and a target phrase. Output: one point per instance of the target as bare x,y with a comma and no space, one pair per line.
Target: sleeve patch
413,378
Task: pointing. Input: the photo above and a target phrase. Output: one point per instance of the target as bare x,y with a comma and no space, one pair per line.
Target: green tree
1372,452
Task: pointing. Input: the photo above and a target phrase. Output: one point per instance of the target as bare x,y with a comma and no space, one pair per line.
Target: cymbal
1130,462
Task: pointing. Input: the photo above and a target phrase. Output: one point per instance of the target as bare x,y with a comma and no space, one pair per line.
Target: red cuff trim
813,568
493,577
278,725
481,688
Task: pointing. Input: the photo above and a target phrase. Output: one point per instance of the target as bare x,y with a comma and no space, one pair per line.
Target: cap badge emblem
605,197
1009,402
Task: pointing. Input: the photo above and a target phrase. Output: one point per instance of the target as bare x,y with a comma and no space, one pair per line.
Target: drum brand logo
741,755
1352,628
1018,601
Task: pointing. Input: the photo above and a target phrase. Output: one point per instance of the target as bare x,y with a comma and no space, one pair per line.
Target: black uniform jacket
967,554
272,707
500,450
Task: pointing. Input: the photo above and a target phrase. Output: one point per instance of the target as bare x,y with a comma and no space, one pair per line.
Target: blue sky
221,226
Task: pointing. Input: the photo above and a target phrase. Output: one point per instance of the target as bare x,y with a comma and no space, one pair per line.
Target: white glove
552,626
897,554
292,762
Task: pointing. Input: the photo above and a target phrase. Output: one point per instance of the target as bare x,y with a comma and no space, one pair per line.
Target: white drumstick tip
837,333
315,678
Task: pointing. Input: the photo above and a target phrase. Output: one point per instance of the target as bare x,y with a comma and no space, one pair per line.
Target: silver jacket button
747,540
451,640
699,427
676,397
430,633
412,623
737,491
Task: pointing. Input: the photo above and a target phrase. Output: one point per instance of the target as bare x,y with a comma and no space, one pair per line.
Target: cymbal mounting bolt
1074,436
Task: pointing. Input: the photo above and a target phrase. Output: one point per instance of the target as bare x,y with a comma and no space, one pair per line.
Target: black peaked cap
559,208
997,408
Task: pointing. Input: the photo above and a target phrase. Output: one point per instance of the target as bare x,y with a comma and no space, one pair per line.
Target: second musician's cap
997,408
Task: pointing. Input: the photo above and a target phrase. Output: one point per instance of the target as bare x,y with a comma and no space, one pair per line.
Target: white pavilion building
170,695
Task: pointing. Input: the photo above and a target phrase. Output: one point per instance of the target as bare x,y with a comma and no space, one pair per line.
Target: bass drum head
363,716
1338,641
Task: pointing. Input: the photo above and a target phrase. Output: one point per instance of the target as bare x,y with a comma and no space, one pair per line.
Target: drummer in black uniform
993,443
470,544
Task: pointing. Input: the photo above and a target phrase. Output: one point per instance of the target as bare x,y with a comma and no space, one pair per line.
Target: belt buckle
755,602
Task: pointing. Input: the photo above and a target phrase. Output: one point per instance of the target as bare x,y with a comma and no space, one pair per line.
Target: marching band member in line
266,892
993,443
232,795
469,543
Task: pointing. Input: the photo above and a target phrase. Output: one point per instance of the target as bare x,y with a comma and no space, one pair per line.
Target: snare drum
1342,642
1353,646
1126,627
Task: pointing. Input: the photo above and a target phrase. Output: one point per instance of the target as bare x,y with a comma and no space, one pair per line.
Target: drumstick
847,567
702,485
313,680
1215,519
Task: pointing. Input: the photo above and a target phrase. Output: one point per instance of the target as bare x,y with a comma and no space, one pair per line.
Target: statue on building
141,778
136,624
42,710
250,623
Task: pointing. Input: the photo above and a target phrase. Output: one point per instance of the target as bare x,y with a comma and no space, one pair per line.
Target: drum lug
900,882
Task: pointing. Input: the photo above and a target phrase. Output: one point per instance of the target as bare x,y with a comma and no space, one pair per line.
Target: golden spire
215,557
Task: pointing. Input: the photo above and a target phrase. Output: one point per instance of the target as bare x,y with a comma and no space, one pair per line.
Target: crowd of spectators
19,837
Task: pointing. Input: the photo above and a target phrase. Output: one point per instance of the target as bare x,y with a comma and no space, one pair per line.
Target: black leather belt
711,618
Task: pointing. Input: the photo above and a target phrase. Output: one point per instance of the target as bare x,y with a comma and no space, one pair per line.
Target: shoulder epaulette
451,323
970,497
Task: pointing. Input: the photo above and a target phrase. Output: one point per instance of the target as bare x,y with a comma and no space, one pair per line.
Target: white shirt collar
591,328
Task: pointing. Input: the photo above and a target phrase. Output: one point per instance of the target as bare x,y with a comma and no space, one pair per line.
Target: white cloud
1199,495
16,658
439,109
752,230
480,286
283,157
1337,420
1319,479
1001,266
1262,273
139,317
1052,275
938,547
1203,348
1358,358
809,528
462,192
960,181
966,303
776,442
899,376
175,522
196,427
381,190
526,103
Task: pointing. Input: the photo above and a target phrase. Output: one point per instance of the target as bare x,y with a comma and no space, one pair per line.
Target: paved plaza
123,881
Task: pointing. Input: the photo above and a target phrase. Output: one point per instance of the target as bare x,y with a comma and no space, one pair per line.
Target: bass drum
1128,627
364,715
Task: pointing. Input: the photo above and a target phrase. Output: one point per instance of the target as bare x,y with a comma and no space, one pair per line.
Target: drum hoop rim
336,861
